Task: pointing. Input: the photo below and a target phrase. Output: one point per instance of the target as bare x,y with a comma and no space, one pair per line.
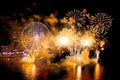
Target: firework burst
75,18
101,22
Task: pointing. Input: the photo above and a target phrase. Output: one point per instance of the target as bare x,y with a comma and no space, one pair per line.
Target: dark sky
49,6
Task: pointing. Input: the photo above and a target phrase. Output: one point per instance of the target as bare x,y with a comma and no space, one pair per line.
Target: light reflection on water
99,72
39,71
29,70
79,72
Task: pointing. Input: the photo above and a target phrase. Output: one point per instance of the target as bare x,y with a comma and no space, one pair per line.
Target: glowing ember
102,43
87,42
63,40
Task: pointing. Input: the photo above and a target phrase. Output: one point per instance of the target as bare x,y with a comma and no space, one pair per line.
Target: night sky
8,7
46,7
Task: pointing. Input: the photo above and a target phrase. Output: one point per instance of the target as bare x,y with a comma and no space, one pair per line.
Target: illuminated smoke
81,35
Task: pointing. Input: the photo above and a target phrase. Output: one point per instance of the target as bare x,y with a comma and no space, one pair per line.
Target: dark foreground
12,69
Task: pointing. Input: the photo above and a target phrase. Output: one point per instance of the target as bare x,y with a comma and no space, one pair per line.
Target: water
11,68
